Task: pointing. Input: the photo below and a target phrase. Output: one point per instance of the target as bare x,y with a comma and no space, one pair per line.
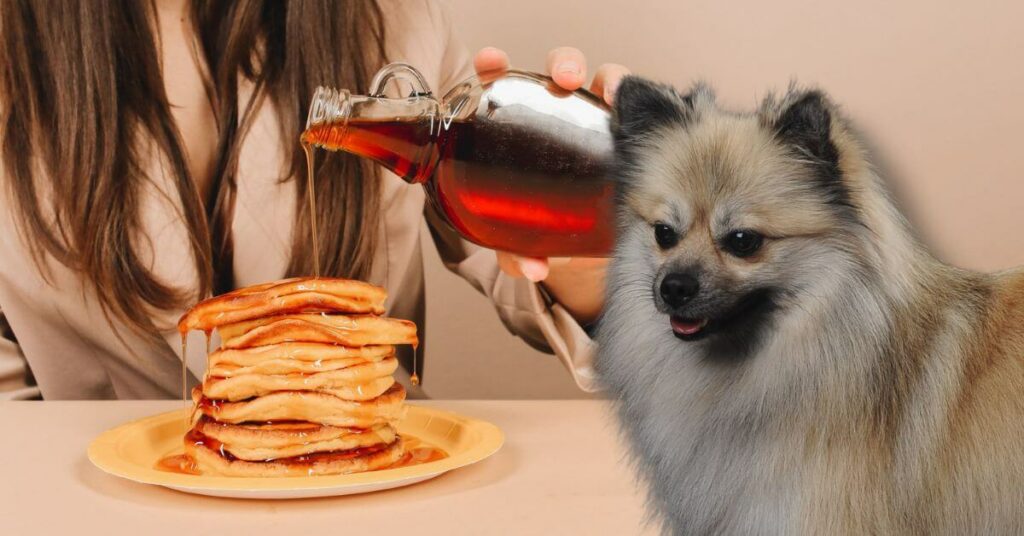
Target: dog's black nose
677,289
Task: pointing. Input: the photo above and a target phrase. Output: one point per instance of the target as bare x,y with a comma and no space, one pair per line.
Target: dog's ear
803,120
641,106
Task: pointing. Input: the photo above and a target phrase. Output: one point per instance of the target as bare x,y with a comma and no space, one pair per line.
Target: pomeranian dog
784,356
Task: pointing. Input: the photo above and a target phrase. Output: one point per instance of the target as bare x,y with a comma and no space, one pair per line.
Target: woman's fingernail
569,67
609,92
533,271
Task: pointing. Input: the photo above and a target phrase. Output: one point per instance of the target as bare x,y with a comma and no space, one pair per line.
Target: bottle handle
400,71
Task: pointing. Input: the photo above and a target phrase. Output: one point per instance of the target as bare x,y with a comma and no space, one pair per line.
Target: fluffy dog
784,356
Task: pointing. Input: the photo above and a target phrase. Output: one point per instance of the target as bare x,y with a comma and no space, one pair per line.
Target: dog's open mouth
688,329
742,320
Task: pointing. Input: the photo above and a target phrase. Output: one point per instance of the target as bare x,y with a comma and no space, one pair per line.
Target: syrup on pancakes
417,452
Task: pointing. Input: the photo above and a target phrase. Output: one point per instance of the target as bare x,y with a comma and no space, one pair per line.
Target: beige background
936,88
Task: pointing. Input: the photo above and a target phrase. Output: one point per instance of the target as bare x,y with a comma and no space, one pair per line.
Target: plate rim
491,439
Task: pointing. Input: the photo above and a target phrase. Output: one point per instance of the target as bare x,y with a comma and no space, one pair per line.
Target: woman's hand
578,283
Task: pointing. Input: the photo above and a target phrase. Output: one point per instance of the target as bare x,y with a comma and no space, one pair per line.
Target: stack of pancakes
302,382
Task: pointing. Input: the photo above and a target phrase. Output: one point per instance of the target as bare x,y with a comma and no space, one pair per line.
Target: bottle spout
335,106
400,134
329,106
328,118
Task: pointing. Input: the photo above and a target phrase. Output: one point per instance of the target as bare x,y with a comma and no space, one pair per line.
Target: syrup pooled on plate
417,453
178,463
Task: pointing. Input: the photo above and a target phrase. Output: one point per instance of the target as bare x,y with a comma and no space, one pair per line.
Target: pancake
251,447
292,357
285,366
312,406
361,391
263,385
365,381
357,330
211,459
280,434
284,297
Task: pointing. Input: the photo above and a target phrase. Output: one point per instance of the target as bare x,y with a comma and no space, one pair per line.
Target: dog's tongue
686,326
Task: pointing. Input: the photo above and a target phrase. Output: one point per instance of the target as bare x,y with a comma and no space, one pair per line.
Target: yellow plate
132,450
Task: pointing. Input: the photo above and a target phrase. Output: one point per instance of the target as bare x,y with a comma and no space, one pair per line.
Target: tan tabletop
561,471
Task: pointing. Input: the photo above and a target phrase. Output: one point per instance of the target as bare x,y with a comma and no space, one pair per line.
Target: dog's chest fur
727,467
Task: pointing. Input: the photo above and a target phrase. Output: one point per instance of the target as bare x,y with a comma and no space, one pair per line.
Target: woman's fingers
606,81
568,67
490,59
507,263
531,268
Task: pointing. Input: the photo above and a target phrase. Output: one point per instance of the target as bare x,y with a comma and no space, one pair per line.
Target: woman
150,159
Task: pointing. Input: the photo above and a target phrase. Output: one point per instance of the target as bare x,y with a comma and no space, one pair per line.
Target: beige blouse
56,342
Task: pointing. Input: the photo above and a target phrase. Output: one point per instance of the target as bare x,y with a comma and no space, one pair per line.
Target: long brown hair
81,90
287,49
81,87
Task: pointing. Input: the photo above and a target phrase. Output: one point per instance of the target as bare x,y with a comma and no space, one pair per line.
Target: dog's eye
665,235
742,243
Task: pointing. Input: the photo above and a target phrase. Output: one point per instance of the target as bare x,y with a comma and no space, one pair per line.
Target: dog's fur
848,382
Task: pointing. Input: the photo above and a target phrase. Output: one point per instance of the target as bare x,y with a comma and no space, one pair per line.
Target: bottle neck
400,134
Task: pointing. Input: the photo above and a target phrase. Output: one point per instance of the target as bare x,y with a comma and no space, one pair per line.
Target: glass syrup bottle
512,161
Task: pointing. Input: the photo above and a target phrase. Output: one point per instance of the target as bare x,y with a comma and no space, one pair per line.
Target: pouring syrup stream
311,195
308,141
184,377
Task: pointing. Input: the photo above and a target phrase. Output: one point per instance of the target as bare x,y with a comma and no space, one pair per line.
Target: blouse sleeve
15,379
523,306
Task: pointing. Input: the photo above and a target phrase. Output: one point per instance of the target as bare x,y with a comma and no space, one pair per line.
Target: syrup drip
414,378
184,377
310,158
207,333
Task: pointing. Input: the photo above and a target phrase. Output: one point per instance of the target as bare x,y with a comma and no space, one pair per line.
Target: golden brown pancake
292,357
363,392
366,380
356,330
279,434
211,459
367,390
312,406
248,444
284,297
285,366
